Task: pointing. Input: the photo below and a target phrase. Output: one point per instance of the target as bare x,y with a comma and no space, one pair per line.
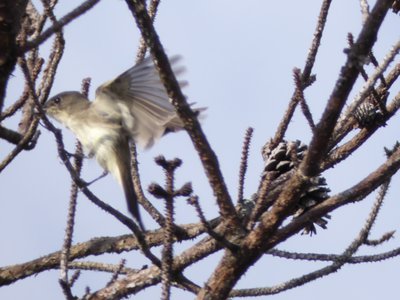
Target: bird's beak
44,109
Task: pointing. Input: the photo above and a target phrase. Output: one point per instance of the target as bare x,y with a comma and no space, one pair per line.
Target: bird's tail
130,195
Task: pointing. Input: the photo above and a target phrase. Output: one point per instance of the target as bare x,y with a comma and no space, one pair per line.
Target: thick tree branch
96,246
188,117
233,265
348,75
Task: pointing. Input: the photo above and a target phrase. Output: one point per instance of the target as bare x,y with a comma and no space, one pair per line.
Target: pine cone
285,157
367,114
315,194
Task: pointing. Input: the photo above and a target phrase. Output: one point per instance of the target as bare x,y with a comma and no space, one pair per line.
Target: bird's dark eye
57,100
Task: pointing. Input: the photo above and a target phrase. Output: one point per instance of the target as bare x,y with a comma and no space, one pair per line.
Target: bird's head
64,105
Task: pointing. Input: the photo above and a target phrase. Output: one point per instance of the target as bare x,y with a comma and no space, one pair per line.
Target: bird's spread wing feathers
141,98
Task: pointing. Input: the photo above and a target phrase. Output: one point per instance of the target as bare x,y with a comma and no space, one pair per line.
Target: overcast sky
239,59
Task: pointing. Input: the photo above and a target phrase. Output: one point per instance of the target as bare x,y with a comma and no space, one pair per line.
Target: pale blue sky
239,61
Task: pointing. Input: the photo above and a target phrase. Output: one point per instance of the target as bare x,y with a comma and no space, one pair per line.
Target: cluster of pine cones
283,158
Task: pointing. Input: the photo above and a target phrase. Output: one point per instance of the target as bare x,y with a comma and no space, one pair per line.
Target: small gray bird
133,107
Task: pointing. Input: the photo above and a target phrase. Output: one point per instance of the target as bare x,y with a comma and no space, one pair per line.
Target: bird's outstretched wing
140,98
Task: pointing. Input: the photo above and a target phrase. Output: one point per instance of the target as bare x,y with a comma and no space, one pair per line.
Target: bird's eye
57,100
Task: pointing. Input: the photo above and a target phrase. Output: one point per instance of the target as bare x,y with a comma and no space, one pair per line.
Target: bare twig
102,267
10,111
384,238
261,203
365,75
75,13
306,74
319,29
334,257
169,167
66,248
392,77
154,213
343,126
194,200
117,271
300,98
74,277
28,111
169,194
243,162
364,10
152,9
28,140
31,131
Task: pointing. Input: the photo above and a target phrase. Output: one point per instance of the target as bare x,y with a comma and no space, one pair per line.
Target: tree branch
188,117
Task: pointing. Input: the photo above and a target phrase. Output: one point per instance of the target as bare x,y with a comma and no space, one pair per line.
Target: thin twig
185,284
306,73
300,98
261,200
10,111
75,13
391,77
63,280
74,277
384,238
319,29
150,208
365,75
364,10
243,162
31,131
102,267
49,72
167,251
194,201
152,10
117,271
343,125
66,248
334,257
154,213
29,138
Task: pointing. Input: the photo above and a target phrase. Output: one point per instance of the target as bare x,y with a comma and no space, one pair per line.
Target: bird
133,107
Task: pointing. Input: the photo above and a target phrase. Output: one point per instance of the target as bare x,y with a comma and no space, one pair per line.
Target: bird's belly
100,142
